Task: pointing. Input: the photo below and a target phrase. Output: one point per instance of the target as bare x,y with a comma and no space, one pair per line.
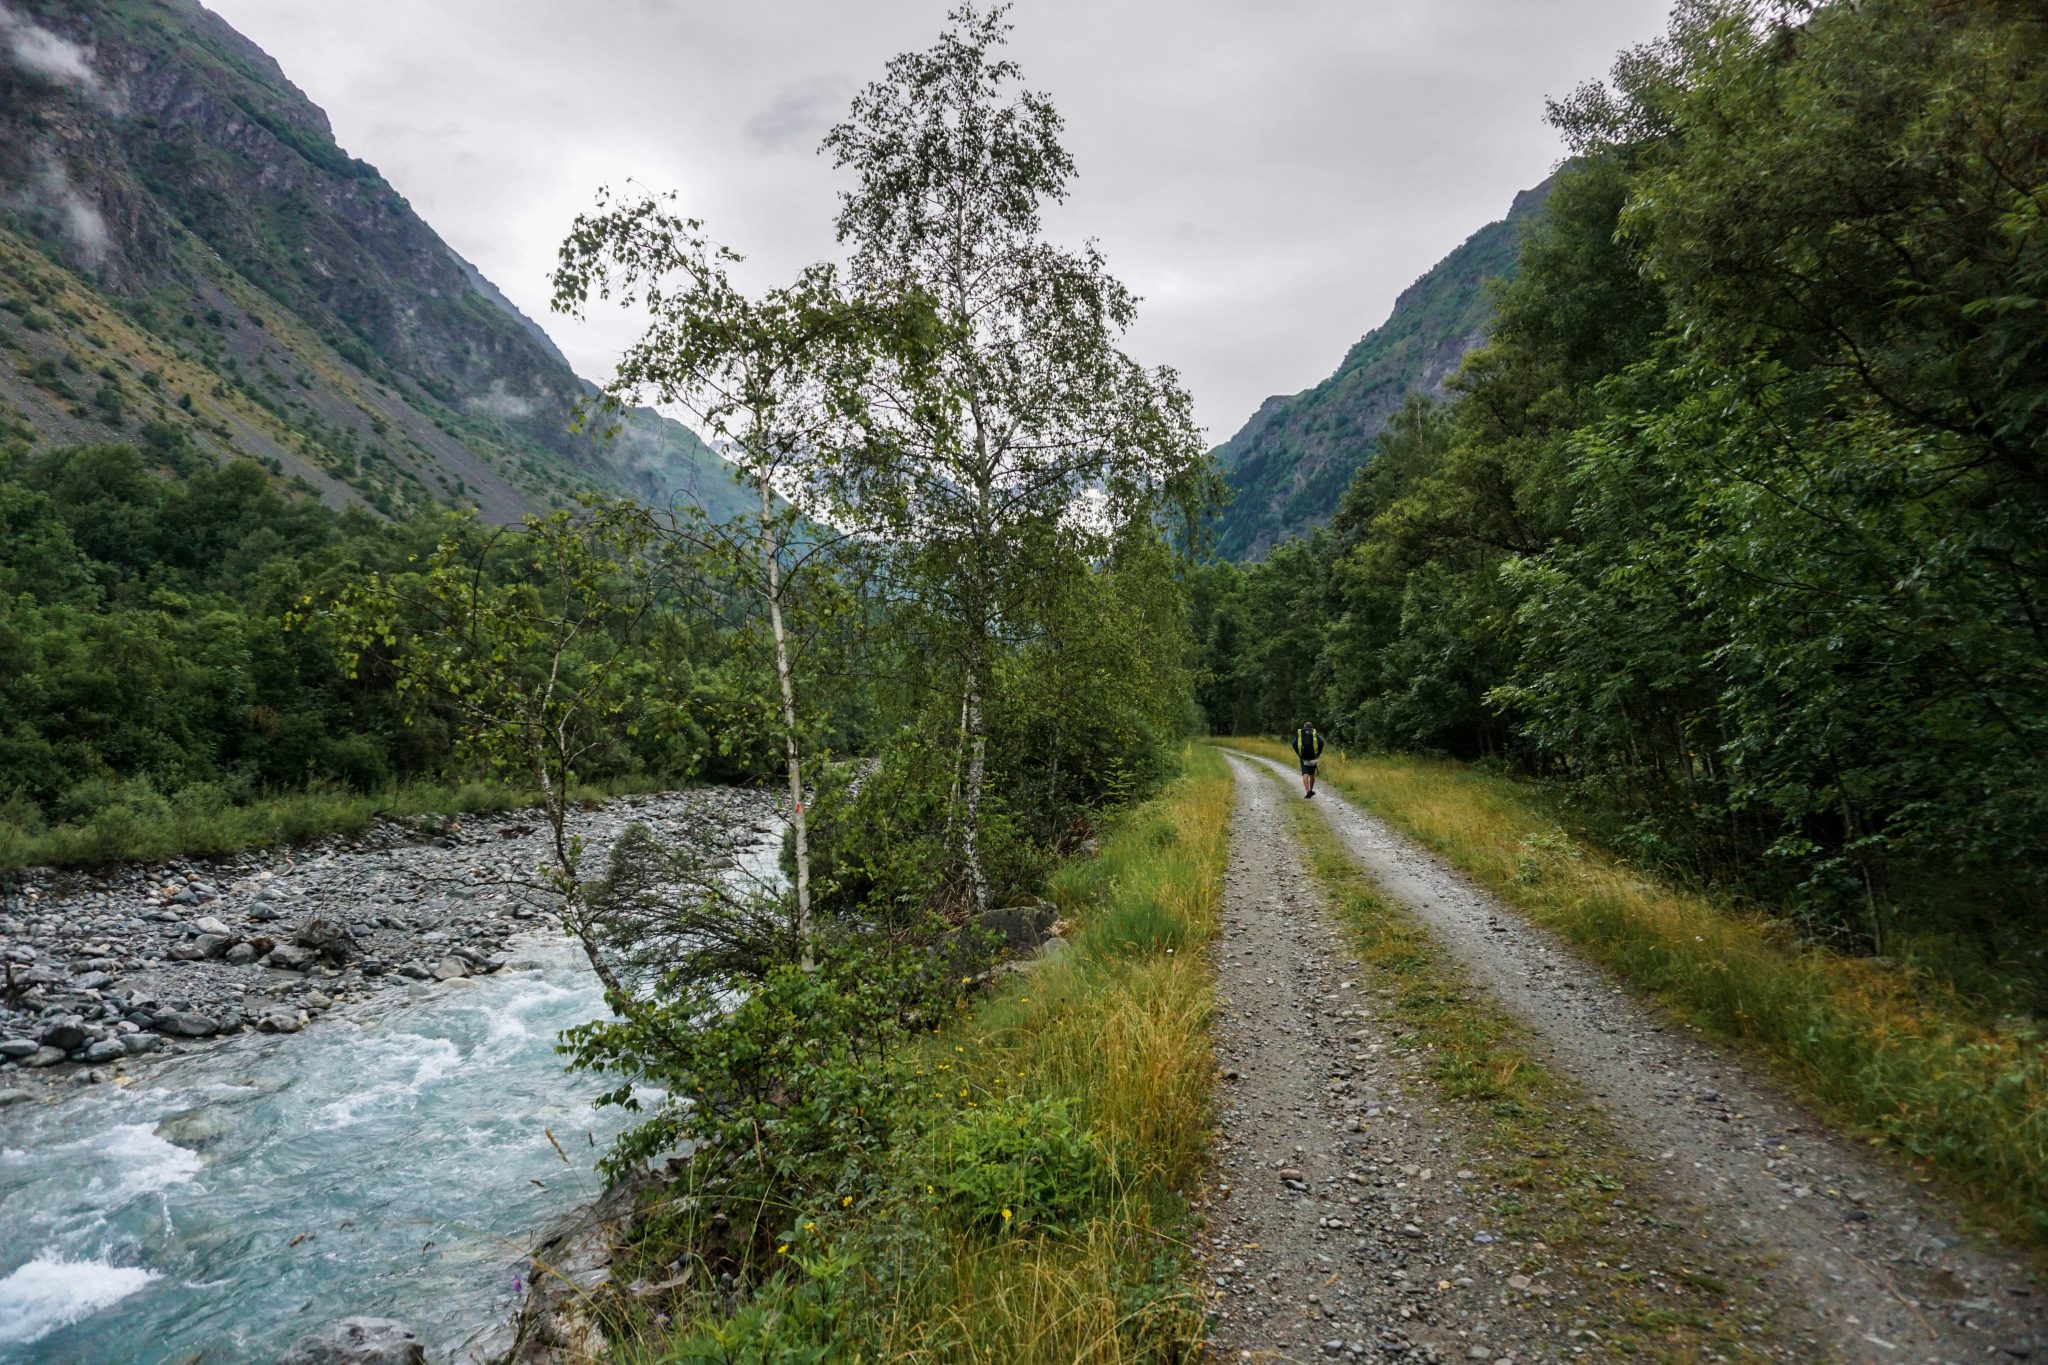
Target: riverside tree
1017,431
778,379
531,637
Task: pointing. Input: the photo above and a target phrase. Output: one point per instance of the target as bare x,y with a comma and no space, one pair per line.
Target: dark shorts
1308,767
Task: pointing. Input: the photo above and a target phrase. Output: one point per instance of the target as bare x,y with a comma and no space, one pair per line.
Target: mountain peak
1288,465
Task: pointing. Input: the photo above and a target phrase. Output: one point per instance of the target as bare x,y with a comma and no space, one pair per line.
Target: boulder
1019,927
212,945
64,1033
135,1044
187,1024
290,958
450,967
106,1050
327,938
281,1021
241,955
358,1341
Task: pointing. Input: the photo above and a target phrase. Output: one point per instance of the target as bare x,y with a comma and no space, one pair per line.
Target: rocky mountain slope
187,255
1287,466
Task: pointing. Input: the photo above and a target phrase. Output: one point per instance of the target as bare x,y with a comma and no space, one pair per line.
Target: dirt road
1857,1258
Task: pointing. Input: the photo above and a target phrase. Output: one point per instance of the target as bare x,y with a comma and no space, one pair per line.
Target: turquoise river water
393,1160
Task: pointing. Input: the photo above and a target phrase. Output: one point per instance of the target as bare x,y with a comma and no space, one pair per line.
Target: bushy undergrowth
890,1167
1901,1054
134,820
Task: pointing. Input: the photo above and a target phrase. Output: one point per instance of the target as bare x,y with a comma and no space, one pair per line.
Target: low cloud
52,56
50,196
799,115
500,402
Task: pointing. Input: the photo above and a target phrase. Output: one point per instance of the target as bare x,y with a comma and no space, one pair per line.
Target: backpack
1308,743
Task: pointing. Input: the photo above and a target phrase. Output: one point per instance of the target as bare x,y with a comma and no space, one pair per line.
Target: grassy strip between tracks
1899,1058
1084,1085
1594,1248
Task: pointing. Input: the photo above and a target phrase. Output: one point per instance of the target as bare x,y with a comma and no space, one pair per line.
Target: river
393,1160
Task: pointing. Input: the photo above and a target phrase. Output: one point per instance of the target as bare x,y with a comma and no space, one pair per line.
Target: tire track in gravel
1854,1245
1345,1217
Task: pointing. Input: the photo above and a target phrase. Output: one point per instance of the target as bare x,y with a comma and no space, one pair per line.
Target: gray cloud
1268,176
799,116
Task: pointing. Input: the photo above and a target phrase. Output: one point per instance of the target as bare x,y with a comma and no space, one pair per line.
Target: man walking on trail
1308,747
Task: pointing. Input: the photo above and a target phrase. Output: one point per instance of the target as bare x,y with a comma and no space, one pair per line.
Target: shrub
1019,1163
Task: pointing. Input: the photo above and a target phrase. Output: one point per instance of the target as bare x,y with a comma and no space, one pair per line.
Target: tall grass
1903,1058
142,825
1112,1034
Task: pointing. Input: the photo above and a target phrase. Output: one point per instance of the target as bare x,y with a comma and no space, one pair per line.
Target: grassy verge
1902,1059
149,828
1031,1208
1598,1249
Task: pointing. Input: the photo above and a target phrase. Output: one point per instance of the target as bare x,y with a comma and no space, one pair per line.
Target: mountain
187,256
1289,464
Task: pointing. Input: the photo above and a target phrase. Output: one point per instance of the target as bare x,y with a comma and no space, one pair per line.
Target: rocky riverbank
100,969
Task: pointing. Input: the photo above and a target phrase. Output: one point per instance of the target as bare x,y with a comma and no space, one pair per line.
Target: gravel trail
1348,1220
1854,1244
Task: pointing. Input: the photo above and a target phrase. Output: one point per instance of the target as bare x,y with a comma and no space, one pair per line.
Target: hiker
1308,747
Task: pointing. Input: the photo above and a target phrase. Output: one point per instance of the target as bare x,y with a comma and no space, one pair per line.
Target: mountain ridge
1289,463
187,255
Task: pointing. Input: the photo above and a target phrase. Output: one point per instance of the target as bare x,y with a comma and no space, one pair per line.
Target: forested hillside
1735,529
1289,464
182,242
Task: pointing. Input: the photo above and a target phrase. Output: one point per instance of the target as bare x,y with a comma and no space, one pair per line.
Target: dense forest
147,658
1734,529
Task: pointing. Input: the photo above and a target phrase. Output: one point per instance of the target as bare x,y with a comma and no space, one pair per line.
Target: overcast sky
1268,174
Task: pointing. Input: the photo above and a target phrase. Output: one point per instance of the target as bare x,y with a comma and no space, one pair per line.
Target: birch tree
1019,412
776,378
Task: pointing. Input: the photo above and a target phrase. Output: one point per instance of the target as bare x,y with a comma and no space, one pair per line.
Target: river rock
358,1341
44,1056
450,967
281,1021
241,955
289,957
135,1044
8,1097
210,925
64,1033
187,1024
196,1127
1021,927
327,938
17,1048
212,945
106,1050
